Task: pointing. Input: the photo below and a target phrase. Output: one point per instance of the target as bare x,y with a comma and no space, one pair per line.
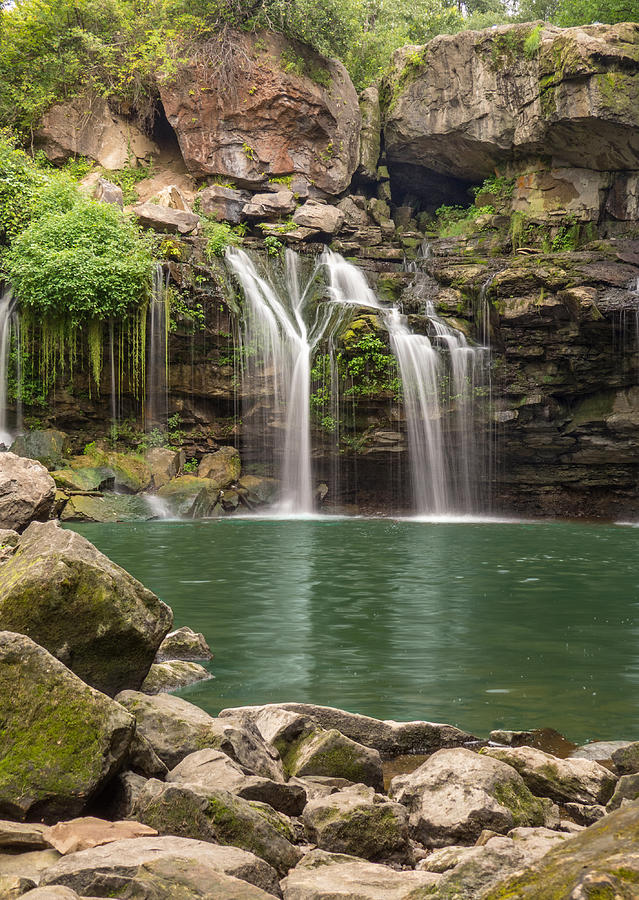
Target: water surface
482,625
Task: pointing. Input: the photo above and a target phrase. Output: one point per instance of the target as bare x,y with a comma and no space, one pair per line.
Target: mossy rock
182,493
60,740
132,473
48,446
89,478
109,508
331,753
172,675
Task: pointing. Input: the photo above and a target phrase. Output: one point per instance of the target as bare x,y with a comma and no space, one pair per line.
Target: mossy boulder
131,472
109,508
88,478
164,464
626,759
222,467
184,643
87,611
48,446
60,740
174,674
331,753
182,493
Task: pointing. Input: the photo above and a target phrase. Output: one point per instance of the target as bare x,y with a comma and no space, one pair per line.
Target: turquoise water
482,625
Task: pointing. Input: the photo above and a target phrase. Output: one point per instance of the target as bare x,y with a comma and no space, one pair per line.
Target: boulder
564,780
319,216
165,868
456,794
174,674
184,643
86,126
61,740
290,111
131,473
189,810
222,467
270,206
212,769
600,861
89,478
331,753
88,831
370,135
19,836
107,192
27,492
171,195
165,219
257,490
56,892
14,886
321,875
123,792
70,598
164,465
47,446
9,541
110,508
223,203
599,751
176,728
144,760
359,822
627,788
626,759
181,493
29,865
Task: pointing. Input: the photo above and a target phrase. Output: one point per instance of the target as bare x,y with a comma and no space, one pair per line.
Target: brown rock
88,831
270,206
162,218
320,216
223,203
27,491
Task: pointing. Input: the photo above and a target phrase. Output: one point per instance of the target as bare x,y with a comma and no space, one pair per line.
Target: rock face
85,126
282,111
47,445
163,218
60,740
86,610
27,492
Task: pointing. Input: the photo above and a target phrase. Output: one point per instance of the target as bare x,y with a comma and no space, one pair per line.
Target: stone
171,195
144,760
176,728
29,865
19,836
109,508
165,867
586,813
183,643
61,740
388,737
223,203
124,790
511,738
89,478
104,607
212,769
258,490
88,831
9,541
626,759
599,751
164,219
321,875
260,129
182,493
331,753
86,126
222,467
172,675
370,135
14,886
269,206
107,192
164,465
627,788
319,216
27,492
359,822
564,780
189,810
130,472
600,861
354,216
56,892
456,793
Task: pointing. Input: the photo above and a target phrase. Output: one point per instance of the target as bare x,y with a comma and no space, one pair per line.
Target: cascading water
8,323
156,410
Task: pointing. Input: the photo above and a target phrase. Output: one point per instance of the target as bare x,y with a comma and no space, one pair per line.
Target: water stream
156,411
9,325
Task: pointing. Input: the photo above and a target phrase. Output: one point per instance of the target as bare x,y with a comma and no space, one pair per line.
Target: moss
507,48
525,809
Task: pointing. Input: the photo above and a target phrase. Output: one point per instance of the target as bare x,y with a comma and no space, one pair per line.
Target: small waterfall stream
156,410
9,324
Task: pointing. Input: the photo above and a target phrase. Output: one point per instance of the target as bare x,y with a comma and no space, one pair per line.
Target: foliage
219,236
452,221
273,246
185,314
20,182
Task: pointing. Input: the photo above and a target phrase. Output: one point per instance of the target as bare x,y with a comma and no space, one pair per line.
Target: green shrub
219,236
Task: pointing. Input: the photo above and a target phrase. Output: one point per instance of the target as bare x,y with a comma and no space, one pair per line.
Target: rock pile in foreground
144,796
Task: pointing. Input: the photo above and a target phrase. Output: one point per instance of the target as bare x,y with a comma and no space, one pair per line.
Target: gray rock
599,751
183,643
105,607
456,793
584,813
331,753
176,728
156,866
164,464
564,780
48,446
144,760
212,769
61,740
19,836
359,822
27,492
107,192
223,203
269,206
28,865
627,789
164,219
511,738
123,792
370,135
626,759
13,886
325,219
173,674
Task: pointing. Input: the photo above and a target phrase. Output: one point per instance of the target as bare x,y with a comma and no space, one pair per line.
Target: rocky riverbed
110,786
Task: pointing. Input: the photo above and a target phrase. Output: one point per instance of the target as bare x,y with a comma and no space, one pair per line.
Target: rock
90,478
56,892
164,465
87,832
212,769
47,446
171,195
9,541
602,860
13,886
28,865
131,474
18,836
222,467
27,492
85,126
164,219
331,753
564,780
174,674
175,728
123,792
182,493
220,817
626,759
144,760
61,740
260,129
599,751
321,875
165,868
183,643
319,216
627,788
370,135
511,738
456,793
223,203
584,813
388,737
269,206
110,508
317,786
107,192
359,822
258,490
104,606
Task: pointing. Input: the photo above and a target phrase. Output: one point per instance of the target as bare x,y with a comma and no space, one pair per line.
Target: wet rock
512,738
212,769
176,728
123,791
61,740
456,793
164,868
90,478
20,836
321,875
222,467
88,831
165,219
270,206
319,216
599,751
259,490
184,643
370,135
47,446
27,492
626,759
182,493
567,780
174,674
331,753
131,474
359,822
110,508
223,203
105,607
627,788
220,817
164,465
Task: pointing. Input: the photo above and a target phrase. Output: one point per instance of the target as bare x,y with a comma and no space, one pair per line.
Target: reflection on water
483,625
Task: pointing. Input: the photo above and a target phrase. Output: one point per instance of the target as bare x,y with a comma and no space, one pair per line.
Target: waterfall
8,323
156,411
